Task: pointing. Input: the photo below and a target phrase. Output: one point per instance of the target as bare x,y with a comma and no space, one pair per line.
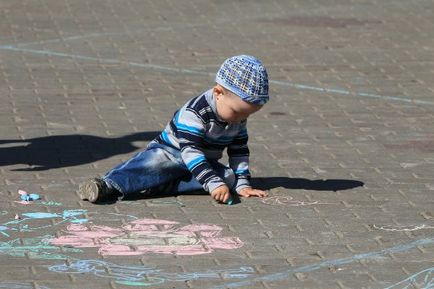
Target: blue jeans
157,165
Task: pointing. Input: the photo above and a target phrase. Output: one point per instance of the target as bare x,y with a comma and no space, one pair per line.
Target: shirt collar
212,103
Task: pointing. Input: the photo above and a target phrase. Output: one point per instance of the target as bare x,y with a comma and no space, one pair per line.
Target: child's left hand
248,192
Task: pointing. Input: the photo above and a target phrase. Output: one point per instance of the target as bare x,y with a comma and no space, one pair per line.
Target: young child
184,157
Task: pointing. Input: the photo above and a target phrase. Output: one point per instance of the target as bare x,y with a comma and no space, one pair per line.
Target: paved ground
345,146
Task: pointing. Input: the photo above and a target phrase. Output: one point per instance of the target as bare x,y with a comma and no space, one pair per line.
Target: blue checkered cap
245,76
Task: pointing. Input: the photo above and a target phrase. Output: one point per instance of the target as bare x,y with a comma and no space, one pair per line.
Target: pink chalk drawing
289,201
144,236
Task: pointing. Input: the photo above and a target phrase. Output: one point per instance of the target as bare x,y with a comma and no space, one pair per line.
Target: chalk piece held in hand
230,201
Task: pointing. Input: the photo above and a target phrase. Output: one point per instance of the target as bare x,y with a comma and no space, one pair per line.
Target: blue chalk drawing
25,224
35,248
92,35
19,285
39,248
326,264
144,276
4,228
350,93
38,215
64,39
421,280
102,60
67,216
338,91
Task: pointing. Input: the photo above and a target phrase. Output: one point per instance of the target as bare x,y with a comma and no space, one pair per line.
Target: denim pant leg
156,165
189,183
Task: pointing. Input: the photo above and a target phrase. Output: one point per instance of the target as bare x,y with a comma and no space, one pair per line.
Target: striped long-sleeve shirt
201,135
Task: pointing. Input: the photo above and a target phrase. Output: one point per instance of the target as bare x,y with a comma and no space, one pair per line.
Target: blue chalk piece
230,201
34,197
30,197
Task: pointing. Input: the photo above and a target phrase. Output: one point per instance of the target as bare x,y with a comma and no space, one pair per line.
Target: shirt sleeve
238,152
191,133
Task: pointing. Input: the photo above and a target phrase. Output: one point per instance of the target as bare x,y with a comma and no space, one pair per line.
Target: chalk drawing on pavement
35,248
166,202
26,222
109,217
29,222
286,274
19,285
402,228
289,201
51,203
144,276
422,280
148,236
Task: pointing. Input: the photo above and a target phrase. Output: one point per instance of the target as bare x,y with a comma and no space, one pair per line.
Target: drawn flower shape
148,236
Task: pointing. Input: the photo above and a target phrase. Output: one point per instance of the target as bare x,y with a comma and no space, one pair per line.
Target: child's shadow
305,184
271,183
60,151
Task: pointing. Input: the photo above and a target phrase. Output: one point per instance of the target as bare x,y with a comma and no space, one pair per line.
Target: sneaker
94,190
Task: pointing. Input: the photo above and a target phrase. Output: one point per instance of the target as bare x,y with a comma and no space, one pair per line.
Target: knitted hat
245,76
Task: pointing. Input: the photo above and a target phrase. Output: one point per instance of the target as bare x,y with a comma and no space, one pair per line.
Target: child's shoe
94,190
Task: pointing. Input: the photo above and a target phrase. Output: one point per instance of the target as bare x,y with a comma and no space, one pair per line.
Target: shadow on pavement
305,184
59,151
267,184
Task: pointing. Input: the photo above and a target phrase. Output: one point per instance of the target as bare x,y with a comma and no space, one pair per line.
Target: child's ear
217,90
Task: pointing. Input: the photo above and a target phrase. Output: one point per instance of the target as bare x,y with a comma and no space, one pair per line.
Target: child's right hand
221,194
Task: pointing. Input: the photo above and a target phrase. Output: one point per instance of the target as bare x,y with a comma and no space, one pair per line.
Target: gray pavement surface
345,146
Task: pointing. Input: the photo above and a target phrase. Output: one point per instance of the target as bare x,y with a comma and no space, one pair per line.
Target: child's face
230,107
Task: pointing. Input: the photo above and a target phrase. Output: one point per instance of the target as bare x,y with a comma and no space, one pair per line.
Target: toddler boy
184,157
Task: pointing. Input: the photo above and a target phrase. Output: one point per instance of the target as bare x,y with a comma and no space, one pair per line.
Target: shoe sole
88,191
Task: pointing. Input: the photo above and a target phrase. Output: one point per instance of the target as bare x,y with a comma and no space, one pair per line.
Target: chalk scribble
422,280
289,201
29,222
144,276
396,228
35,248
19,285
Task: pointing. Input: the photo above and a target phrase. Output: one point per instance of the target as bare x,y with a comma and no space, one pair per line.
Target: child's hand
221,194
248,192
